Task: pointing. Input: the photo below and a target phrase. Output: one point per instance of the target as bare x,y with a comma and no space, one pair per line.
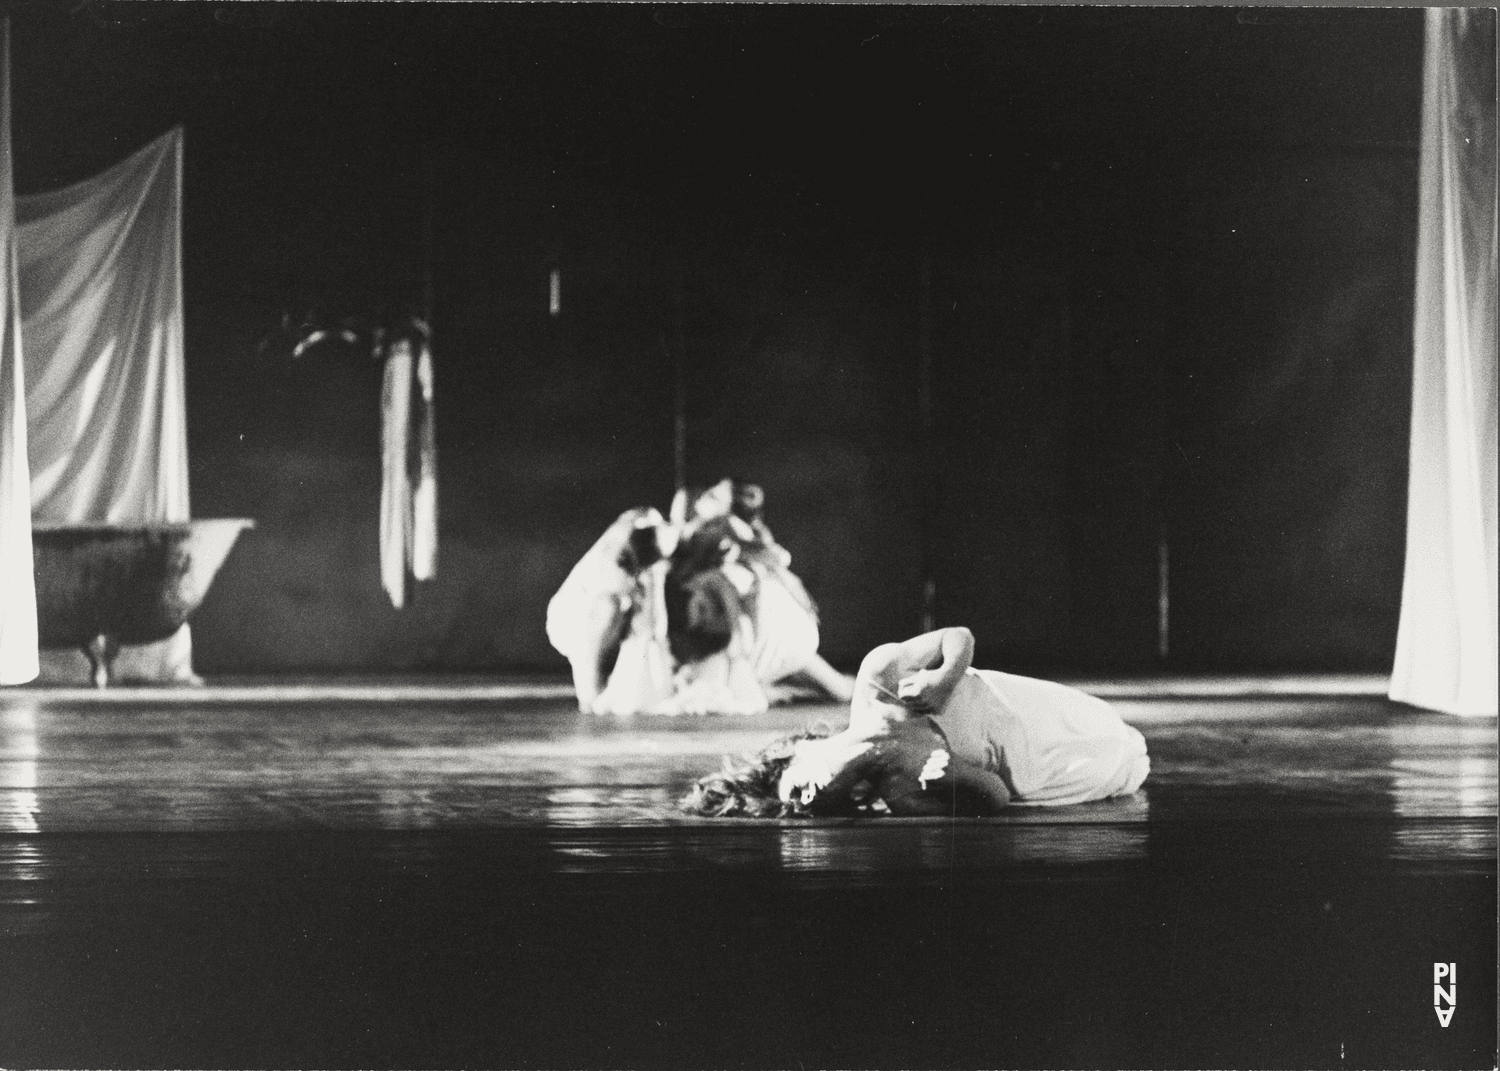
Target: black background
1161,260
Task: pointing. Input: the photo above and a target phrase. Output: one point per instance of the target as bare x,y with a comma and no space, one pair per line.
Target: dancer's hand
925,691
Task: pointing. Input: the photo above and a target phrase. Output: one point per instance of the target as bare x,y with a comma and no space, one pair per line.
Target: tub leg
101,651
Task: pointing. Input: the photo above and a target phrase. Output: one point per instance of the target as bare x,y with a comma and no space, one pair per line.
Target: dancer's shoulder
883,666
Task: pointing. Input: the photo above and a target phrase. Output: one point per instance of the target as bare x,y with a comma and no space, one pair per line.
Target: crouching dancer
930,735
612,599
699,615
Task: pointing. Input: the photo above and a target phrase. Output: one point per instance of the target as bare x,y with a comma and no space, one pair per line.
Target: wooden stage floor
479,876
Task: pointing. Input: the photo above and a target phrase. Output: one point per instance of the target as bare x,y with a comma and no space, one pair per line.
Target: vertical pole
1163,596
429,211
927,476
1164,485
679,385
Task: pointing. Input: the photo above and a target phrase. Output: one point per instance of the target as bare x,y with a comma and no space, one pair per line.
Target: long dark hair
749,786
642,549
703,605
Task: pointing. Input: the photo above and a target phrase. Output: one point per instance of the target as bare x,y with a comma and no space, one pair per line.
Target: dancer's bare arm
603,629
929,667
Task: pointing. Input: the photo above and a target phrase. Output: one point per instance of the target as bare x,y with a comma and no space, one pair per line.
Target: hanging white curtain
423,562
408,500
18,638
101,318
395,483
101,306
1446,649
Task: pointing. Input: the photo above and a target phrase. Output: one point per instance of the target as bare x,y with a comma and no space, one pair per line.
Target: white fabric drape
395,486
101,306
1446,648
18,635
424,495
408,505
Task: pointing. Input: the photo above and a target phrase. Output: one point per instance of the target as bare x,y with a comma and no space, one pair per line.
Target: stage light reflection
19,751
935,846
1445,768
608,805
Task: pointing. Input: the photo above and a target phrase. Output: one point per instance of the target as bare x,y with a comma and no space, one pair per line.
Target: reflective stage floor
479,876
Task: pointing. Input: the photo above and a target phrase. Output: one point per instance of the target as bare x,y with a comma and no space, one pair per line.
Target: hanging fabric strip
1445,646
395,482
424,499
18,636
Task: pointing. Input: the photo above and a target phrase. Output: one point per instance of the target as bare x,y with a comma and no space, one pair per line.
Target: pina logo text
1444,995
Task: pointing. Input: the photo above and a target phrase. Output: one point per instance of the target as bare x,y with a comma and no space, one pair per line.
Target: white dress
642,678
780,640
1051,744
596,576
784,634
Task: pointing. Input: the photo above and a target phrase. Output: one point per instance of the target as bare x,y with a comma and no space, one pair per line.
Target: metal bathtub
100,586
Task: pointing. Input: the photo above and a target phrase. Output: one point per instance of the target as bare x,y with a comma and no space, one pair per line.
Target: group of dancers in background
700,613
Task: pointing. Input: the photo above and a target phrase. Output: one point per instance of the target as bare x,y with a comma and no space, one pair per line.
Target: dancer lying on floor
698,616
930,735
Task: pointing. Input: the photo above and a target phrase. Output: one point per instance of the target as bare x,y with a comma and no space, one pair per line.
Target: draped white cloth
18,636
408,503
1446,647
424,494
395,487
101,307
101,316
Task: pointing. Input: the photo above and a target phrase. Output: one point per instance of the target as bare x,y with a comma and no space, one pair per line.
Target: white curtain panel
424,495
408,501
101,316
101,322
395,482
18,650
1446,648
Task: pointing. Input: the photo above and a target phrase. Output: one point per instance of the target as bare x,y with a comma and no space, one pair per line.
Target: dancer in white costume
700,615
612,590
930,735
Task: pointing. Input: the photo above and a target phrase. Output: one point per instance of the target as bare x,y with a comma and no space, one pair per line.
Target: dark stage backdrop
1011,298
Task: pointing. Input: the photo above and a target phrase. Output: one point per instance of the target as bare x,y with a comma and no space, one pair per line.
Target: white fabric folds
101,306
18,635
408,504
1446,649
395,485
424,496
